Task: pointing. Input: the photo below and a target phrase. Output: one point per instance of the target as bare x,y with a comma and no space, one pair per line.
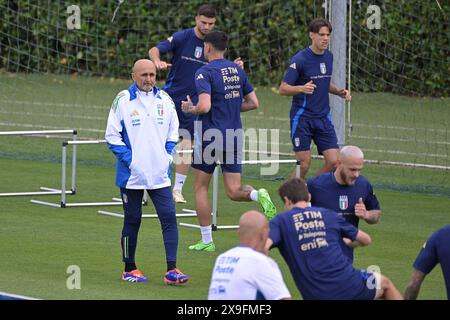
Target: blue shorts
186,120
206,160
321,131
369,289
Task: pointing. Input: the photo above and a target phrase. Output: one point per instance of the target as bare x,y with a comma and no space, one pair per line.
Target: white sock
206,234
254,195
179,181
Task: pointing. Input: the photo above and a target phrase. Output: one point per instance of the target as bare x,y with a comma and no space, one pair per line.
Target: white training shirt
139,125
242,273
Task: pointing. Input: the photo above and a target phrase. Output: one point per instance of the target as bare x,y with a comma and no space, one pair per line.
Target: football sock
206,234
171,265
179,181
254,195
130,267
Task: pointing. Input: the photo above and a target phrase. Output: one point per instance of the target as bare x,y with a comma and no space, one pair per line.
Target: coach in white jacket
142,132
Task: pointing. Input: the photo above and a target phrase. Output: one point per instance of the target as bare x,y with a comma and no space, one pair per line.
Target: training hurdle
186,212
214,225
63,203
44,190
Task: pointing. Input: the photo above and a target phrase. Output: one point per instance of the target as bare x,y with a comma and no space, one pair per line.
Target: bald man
142,132
346,192
245,272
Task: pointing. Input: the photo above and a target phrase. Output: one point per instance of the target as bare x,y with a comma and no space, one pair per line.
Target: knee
132,221
332,163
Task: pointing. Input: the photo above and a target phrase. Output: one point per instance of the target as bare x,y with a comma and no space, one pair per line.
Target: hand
239,62
345,94
162,65
360,209
187,105
309,87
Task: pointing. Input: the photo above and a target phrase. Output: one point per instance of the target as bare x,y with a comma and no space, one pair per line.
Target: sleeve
172,135
114,135
347,230
203,81
371,201
171,43
274,231
293,72
310,184
427,258
270,281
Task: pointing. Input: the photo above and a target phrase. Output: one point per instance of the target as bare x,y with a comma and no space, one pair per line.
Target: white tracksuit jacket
142,129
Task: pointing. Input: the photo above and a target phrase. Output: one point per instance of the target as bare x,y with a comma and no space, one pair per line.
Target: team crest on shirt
160,109
198,52
323,68
343,202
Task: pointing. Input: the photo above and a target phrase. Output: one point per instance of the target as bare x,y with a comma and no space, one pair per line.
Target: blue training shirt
304,67
327,193
227,84
309,241
188,57
436,250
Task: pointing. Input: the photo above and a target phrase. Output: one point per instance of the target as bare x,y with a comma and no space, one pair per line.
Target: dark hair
316,24
294,189
207,10
218,39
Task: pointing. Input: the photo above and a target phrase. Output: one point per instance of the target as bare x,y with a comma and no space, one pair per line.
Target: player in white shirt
142,132
246,272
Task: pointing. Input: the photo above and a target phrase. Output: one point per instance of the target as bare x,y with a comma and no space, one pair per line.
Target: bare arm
373,216
370,216
413,288
203,105
250,102
288,90
269,243
362,240
155,56
343,93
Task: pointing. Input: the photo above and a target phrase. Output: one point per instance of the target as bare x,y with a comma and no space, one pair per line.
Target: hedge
408,55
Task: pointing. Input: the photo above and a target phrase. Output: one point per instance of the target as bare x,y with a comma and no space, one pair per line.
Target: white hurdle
64,203
215,210
45,190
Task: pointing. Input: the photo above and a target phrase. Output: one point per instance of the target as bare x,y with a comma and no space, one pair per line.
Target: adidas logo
293,66
200,76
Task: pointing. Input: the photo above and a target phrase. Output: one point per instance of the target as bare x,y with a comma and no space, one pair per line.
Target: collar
133,89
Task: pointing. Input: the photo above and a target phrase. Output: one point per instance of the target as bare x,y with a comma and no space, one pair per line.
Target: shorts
206,160
371,280
321,131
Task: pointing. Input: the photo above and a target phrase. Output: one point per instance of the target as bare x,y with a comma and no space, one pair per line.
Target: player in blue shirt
309,241
187,48
308,80
346,192
435,250
223,93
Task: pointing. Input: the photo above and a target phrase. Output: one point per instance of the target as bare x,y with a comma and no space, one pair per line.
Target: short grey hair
352,152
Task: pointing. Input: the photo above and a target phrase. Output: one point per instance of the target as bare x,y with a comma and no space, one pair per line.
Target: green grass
387,127
39,243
